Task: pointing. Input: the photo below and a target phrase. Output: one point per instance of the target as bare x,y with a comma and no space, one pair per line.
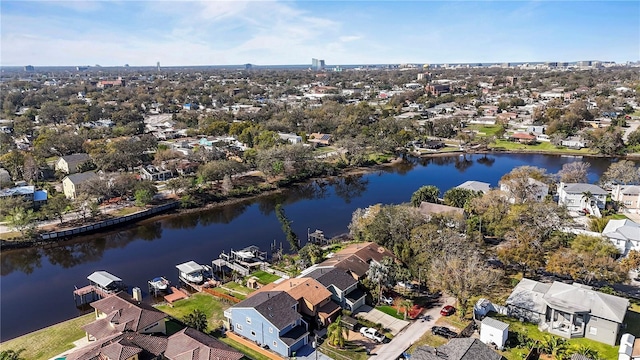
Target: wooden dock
176,294
84,292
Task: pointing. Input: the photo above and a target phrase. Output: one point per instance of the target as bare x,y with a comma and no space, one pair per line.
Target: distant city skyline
183,33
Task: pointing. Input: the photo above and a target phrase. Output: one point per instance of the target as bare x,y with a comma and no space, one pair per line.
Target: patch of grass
211,306
173,327
453,321
427,339
238,287
264,277
248,352
50,341
390,310
490,130
617,217
125,211
349,352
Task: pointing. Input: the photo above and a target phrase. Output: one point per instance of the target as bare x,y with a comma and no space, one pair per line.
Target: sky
274,32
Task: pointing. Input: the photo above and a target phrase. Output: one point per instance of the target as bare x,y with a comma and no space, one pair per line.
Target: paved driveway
378,317
411,334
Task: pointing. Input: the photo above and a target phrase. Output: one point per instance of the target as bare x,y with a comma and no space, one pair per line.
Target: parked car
386,300
443,331
372,334
447,310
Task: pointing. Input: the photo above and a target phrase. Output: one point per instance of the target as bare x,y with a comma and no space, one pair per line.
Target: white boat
191,272
159,283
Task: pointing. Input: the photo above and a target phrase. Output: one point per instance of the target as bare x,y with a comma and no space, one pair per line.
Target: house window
628,202
248,320
270,330
593,330
238,326
275,344
253,333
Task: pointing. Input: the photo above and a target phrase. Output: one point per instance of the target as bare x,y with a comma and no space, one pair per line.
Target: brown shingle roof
309,289
124,314
191,344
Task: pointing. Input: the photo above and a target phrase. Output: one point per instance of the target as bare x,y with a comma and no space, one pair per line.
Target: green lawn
490,130
427,339
238,287
264,277
617,217
50,341
249,353
350,352
212,307
390,310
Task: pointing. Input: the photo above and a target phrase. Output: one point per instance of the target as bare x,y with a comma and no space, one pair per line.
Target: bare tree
463,275
574,172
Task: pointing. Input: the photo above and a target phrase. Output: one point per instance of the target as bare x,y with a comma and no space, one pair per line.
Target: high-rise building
29,68
317,64
158,65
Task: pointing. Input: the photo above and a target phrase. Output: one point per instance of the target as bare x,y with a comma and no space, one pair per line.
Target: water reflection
349,187
24,260
486,160
462,163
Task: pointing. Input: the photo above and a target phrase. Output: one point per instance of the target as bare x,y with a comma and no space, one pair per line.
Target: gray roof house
572,196
624,234
72,184
457,349
477,186
569,310
270,318
68,164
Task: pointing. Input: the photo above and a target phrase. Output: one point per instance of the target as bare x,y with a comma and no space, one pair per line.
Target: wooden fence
218,294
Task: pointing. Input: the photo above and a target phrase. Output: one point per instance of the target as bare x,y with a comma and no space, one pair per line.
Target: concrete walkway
378,317
412,333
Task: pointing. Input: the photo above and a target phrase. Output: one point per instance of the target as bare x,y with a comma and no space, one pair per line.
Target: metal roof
103,278
496,324
189,267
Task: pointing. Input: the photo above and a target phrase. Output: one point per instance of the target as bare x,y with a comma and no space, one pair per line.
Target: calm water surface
36,284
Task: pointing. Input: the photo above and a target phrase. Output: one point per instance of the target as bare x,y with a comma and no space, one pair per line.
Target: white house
536,190
493,331
575,197
624,234
292,138
476,186
628,195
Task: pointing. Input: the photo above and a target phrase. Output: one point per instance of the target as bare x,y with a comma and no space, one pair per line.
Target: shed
105,280
493,331
626,347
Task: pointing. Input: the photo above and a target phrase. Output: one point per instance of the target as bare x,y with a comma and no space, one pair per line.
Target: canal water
36,285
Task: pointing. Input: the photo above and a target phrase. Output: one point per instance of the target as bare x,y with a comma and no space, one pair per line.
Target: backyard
208,304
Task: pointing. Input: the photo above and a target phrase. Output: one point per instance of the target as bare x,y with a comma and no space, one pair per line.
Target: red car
447,310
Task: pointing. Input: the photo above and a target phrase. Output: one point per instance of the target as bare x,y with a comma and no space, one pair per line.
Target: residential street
411,334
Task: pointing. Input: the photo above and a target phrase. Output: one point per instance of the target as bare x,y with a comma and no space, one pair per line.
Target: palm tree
586,197
406,305
337,333
428,193
586,351
554,346
196,319
11,354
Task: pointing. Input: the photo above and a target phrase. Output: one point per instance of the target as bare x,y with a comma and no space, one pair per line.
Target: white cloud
349,38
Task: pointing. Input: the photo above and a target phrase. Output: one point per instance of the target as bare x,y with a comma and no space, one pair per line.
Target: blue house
270,319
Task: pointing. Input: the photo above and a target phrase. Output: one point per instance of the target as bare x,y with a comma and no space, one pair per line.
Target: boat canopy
189,267
103,278
244,254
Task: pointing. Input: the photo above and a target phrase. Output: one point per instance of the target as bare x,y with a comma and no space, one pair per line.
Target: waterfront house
569,310
314,300
33,198
624,234
270,319
153,173
120,313
475,186
574,142
428,209
122,347
343,286
579,196
69,164
72,184
356,258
